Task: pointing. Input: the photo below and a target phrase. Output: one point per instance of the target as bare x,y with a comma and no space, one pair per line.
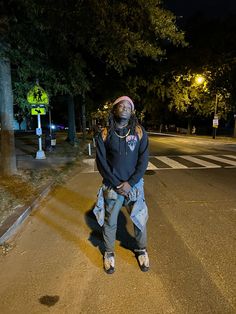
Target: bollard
48,146
53,140
94,142
89,149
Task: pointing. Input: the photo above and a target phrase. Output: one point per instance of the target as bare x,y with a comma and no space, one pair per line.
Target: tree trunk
19,123
189,126
83,119
8,156
72,136
234,127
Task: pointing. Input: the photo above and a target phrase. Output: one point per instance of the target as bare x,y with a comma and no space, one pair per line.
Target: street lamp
215,120
199,79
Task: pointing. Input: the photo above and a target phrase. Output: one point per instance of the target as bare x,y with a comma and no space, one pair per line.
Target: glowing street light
199,79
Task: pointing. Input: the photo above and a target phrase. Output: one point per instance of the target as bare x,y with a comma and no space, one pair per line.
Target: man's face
123,110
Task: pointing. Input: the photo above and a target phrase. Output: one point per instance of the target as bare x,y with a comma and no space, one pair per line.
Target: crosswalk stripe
151,166
230,156
223,160
90,165
200,161
173,164
170,162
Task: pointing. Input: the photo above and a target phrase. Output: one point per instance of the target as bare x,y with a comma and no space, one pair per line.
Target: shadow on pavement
123,236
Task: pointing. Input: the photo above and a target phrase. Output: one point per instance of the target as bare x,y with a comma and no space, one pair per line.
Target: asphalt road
55,265
176,145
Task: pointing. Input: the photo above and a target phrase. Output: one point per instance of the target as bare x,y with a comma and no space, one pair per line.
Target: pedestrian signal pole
40,153
38,99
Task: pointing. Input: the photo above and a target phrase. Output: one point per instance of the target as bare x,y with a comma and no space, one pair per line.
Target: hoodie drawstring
123,137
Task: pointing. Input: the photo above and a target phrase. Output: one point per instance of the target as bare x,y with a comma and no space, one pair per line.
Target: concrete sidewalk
55,265
13,223
26,148
29,162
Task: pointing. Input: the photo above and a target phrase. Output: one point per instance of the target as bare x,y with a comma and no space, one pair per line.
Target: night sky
211,8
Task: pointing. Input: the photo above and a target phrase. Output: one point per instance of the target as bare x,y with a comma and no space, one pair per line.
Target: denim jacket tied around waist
134,202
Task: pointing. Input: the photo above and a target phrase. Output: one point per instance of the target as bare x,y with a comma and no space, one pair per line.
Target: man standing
122,159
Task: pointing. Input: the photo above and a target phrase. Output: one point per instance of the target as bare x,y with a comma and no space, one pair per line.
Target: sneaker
109,262
142,258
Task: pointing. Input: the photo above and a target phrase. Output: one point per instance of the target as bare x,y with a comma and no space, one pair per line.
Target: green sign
38,110
37,96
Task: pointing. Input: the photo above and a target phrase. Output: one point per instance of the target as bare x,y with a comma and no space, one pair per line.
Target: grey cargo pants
112,209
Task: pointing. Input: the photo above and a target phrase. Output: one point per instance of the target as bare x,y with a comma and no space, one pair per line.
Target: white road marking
173,164
151,166
230,156
170,162
90,165
220,159
200,161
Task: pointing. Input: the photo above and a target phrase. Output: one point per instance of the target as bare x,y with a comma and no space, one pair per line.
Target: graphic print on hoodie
131,141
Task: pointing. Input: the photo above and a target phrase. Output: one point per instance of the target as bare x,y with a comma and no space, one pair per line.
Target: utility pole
234,125
215,120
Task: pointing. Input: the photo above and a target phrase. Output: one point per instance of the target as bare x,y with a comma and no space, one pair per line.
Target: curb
163,134
219,139
13,223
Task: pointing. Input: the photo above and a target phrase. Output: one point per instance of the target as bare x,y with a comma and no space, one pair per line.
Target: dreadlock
133,122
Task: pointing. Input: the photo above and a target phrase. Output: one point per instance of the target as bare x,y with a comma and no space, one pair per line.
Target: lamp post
215,120
200,80
235,125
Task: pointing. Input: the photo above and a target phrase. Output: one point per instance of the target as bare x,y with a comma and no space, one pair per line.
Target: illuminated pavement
55,265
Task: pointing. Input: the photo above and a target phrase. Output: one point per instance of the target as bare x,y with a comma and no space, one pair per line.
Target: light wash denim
108,207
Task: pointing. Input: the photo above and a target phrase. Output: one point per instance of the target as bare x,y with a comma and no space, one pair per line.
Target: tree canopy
70,45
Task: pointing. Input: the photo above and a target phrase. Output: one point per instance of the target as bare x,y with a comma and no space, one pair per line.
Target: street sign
215,123
38,99
38,110
37,96
39,131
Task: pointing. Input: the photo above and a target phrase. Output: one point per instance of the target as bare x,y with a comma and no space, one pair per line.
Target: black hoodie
122,157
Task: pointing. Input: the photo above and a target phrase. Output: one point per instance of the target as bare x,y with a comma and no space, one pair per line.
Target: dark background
210,8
